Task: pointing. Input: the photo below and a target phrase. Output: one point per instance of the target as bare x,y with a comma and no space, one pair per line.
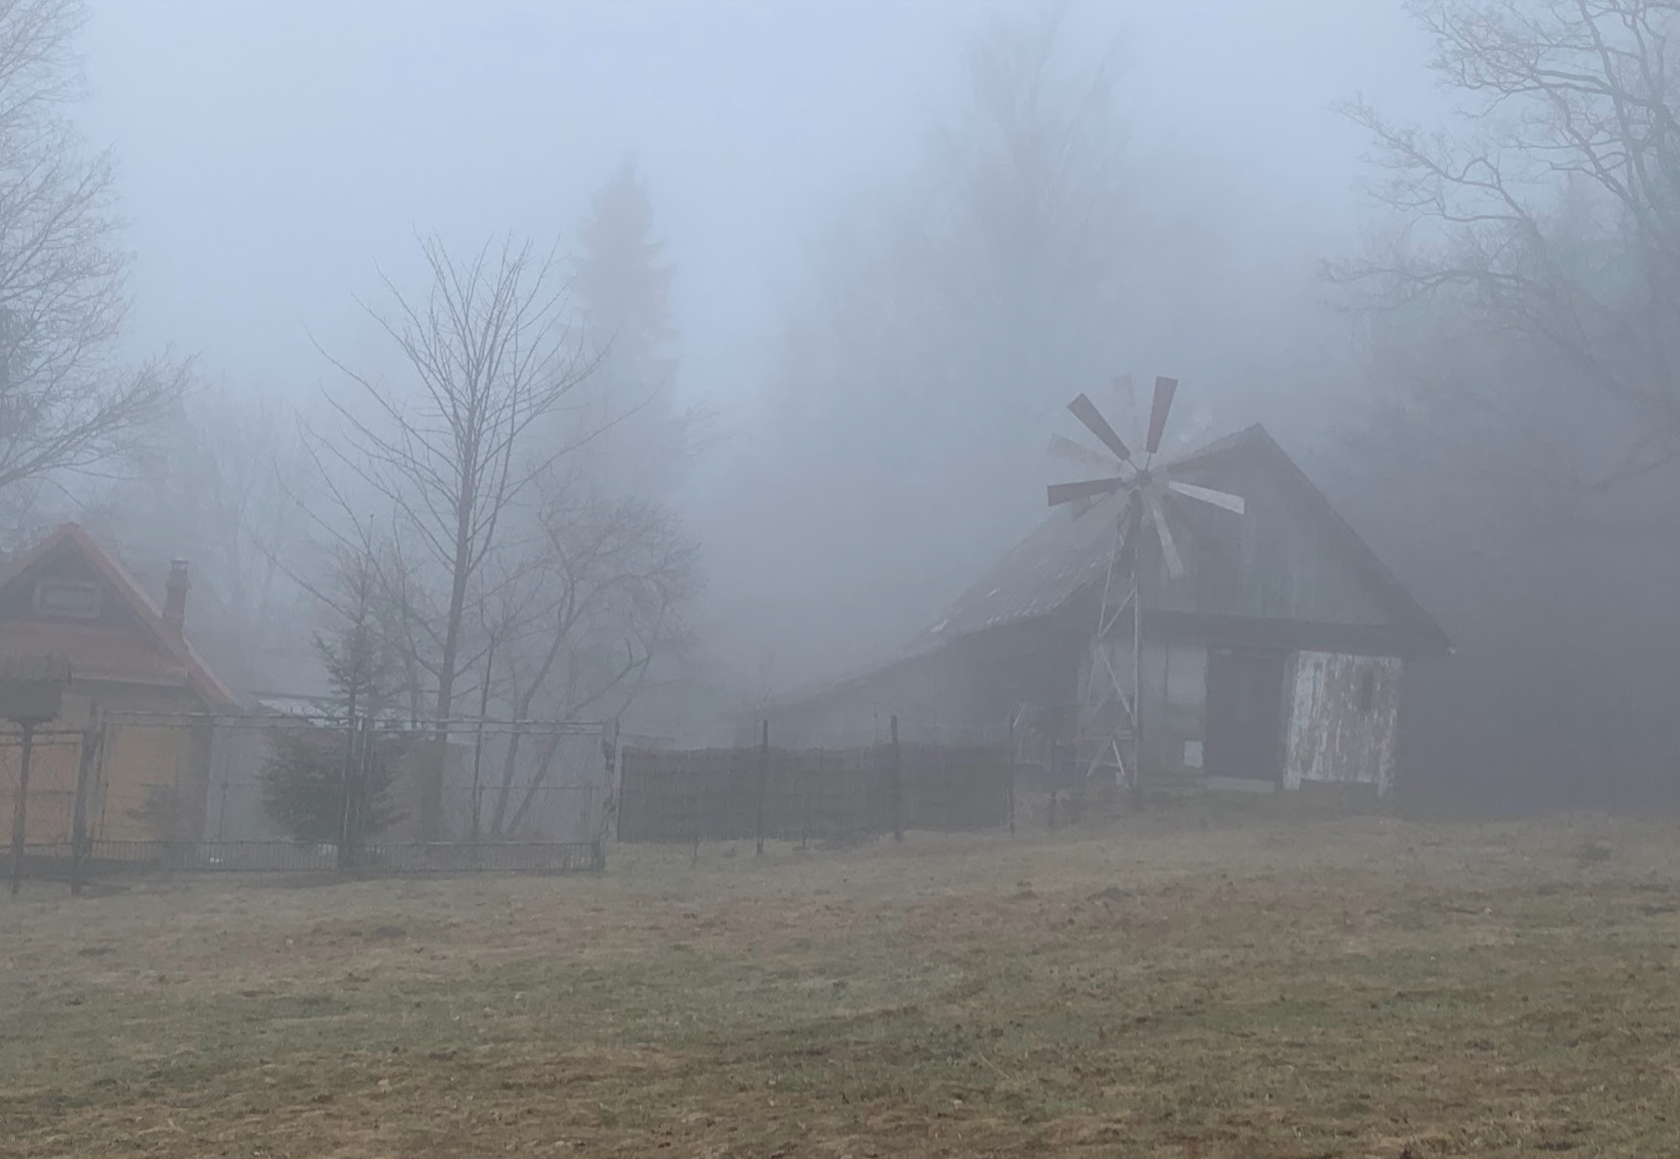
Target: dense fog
646,360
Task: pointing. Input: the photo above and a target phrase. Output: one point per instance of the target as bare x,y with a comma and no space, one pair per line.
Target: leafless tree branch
67,402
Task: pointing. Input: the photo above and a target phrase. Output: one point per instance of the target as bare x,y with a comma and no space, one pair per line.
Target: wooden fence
759,793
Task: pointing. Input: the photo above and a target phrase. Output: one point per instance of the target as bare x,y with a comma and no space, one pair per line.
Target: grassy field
1357,987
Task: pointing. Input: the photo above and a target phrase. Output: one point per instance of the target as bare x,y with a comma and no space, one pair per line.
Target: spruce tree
621,285
333,782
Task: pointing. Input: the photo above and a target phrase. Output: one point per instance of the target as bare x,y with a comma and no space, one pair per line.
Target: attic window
67,599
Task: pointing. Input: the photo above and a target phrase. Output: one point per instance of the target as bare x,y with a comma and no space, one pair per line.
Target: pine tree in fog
621,286
333,782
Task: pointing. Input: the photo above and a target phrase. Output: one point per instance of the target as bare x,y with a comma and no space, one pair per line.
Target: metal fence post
897,768
366,769
763,781
1012,797
805,802
106,743
20,804
694,799
612,755
346,791
1013,752
478,762
84,777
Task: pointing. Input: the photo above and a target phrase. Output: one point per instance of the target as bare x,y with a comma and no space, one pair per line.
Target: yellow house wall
52,783
152,776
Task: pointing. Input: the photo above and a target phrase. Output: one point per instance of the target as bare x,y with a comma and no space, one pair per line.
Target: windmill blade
1230,502
1086,412
1165,388
1065,448
1169,548
1060,493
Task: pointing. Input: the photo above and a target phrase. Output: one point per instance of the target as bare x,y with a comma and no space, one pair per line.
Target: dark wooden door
1245,715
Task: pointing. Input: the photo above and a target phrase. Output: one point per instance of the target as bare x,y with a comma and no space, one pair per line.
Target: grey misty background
831,272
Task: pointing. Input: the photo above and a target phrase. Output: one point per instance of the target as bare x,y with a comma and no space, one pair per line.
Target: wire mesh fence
303,791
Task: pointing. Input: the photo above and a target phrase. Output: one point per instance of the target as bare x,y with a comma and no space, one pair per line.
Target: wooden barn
1275,658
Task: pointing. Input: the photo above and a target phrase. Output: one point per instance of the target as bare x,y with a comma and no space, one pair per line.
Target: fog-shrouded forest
644,360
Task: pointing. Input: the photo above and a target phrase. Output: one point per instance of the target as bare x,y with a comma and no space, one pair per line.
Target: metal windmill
1141,494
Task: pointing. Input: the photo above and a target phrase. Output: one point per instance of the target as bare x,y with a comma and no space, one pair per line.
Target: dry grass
1361,987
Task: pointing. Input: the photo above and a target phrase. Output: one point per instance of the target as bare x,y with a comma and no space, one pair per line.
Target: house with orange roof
131,661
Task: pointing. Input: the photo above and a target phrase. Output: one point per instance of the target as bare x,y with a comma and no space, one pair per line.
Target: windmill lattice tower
1139,494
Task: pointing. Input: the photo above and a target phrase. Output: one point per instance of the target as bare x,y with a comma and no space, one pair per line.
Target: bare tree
1552,211
67,402
455,452
604,599
1523,340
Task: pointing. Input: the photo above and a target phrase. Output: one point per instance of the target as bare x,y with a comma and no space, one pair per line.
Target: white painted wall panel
1343,719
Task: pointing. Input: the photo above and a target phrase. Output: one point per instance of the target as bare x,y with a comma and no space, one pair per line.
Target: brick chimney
175,596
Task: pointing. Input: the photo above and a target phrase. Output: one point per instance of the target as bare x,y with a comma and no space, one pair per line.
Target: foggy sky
272,152
275,155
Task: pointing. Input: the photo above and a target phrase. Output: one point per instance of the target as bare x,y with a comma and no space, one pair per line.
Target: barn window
68,599
1367,690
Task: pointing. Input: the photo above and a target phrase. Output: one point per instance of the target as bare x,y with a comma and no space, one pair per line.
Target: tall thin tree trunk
431,788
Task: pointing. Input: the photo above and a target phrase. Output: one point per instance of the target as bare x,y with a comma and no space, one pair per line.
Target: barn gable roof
153,655
1064,556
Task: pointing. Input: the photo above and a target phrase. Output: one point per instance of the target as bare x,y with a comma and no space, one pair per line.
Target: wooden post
763,781
1137,677
1012,798
84,779
1013,754
805,803
20,804
897,770
696,801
